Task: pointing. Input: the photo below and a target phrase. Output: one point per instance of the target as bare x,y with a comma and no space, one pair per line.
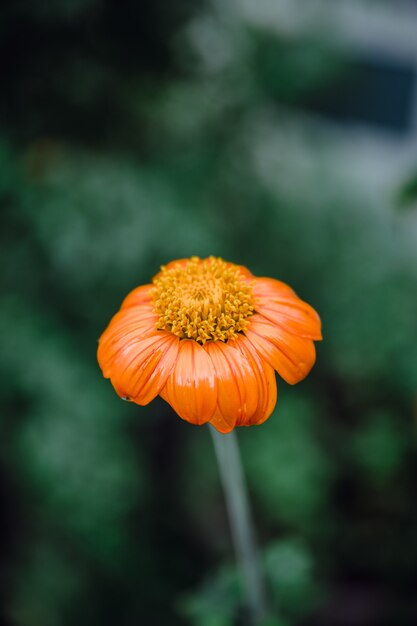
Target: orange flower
206,336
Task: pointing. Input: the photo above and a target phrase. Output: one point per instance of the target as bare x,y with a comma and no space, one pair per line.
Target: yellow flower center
204,300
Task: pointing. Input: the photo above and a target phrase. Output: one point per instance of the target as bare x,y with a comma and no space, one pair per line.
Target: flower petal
290,355
279,303
140,370
191,388
266,382
299,320
220,423
137,296
127,326
271,288
237,386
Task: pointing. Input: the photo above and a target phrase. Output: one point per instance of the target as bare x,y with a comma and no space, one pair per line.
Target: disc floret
203,299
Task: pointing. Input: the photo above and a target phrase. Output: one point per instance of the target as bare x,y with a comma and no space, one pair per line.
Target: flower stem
242,528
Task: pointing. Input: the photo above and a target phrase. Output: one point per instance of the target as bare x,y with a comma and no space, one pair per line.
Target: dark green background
133,133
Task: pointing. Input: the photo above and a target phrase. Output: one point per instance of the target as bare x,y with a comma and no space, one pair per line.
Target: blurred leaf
70,450
273,621
380,446
46,587
288,470
407,194
289,567
290,69
216,603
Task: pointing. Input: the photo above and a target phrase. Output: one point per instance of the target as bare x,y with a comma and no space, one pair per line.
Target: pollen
203,299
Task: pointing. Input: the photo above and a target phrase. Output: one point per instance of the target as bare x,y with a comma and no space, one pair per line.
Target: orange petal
299,320
127,326
278,303
140,370
221,424
291,356
237,386
191,388
131,316
137,296
266,382
270,288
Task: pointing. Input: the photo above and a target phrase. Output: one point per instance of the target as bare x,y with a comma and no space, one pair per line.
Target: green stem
242,528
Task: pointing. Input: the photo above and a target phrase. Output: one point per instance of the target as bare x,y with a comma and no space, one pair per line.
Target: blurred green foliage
407,195
131,136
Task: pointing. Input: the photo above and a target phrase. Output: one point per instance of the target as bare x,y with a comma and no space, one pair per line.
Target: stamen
204,300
